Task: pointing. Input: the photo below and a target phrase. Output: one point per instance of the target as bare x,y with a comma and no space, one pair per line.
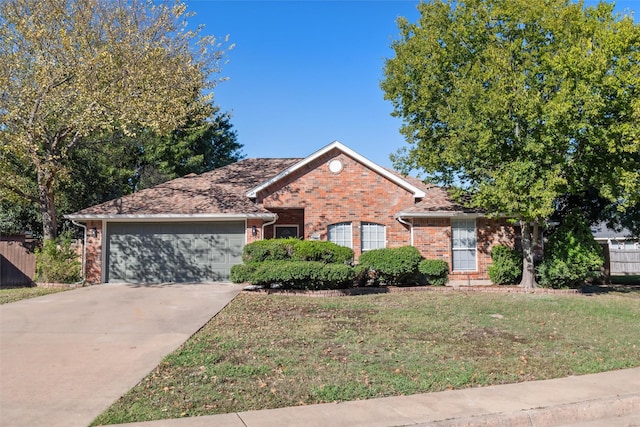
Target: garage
170,252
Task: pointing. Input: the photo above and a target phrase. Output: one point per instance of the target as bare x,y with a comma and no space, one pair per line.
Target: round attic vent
335,166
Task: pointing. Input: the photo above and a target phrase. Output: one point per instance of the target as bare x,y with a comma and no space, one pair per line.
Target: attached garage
166,252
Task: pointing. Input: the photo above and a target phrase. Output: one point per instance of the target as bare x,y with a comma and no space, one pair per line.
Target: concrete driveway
64,358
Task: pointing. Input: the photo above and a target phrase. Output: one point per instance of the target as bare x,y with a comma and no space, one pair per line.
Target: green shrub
303,274
435,271
265,250
319,250
242,273
296,250
506,267
571,256
392,266
57,261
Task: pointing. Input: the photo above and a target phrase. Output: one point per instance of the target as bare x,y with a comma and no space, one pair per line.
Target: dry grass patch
8,295
272,351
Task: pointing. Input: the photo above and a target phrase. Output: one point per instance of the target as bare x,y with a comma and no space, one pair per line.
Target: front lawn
266,351
16,294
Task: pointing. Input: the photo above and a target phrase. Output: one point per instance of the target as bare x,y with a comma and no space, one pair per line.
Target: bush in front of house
296,250
391,266
57,261
243,273
571,256
319,250
297,274
265,250
435,271
506,267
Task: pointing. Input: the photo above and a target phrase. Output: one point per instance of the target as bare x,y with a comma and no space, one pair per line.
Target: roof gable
418,193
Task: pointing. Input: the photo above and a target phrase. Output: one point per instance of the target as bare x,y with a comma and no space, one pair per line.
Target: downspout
410,224
84,250
266,224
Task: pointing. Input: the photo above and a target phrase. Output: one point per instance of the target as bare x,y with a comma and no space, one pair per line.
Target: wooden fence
17,261
624,261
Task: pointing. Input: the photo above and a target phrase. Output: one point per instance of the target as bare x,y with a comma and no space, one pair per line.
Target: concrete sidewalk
606,399
66,357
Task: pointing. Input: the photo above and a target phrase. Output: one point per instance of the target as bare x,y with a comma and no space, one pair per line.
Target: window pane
373,236
464,260
340,234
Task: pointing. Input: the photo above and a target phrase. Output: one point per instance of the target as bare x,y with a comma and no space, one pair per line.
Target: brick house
194,228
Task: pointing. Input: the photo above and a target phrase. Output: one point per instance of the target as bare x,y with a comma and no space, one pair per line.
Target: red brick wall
432,236
93,262
249,231
355,194
286,217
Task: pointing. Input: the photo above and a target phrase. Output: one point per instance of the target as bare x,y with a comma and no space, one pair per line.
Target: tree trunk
47,203
529,242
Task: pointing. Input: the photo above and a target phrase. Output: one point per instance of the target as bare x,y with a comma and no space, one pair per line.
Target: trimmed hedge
391,266
296,250
435,271
295,274
243,273
506,267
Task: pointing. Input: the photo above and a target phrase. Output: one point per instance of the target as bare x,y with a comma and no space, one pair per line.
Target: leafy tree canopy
519,103
73,71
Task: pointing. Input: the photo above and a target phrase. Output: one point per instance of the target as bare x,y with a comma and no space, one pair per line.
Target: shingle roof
436,200
221,191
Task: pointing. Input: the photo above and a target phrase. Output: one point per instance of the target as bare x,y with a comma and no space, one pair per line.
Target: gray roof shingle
220,191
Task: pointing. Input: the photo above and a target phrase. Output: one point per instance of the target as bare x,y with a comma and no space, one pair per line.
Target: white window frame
379,233
466,243
337,233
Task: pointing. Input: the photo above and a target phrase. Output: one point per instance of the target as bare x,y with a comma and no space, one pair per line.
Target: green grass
273,351
16,294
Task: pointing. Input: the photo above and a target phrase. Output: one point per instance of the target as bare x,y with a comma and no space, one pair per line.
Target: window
340,234
463,244
373,236
286,231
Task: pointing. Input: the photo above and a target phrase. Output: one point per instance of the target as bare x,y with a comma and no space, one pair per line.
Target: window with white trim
340,234
463,244
373,236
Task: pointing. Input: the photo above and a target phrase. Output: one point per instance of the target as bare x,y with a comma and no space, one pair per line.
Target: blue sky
304,73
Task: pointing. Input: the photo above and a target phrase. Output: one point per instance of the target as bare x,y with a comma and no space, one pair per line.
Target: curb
560,415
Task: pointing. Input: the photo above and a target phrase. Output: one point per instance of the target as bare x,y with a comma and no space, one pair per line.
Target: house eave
440,214
167,217
417,193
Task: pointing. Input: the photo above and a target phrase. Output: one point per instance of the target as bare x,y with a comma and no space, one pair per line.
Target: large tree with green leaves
74,70
520,103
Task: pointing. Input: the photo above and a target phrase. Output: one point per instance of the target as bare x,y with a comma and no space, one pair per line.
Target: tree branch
19,192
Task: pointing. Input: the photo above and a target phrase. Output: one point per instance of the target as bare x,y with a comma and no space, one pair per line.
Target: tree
519,103
71,70
572,255
98,173
196,148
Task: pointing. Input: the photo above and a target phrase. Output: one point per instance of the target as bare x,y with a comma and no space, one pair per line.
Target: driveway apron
64,358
